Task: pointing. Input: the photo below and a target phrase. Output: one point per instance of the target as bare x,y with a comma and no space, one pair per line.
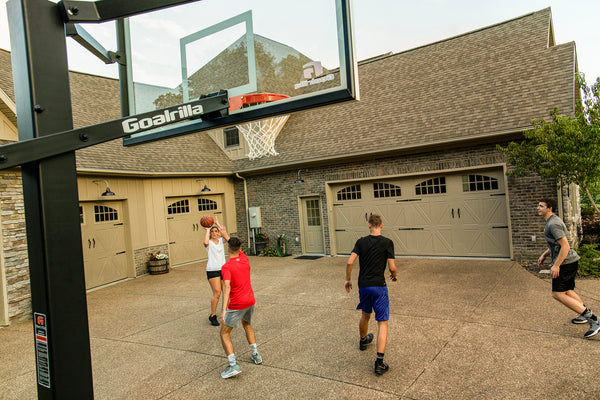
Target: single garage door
459,214
103,237
186,235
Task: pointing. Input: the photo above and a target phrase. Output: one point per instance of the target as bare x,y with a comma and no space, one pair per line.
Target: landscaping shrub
589,264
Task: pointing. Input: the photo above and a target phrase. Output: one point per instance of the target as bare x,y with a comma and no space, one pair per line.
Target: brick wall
14,246
277,195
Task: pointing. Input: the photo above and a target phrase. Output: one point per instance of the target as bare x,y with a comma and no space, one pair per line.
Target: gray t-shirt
554,230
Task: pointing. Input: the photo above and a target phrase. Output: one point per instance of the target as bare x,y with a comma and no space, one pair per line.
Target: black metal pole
41,80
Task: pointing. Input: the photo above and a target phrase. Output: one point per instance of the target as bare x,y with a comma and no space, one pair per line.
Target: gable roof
480,86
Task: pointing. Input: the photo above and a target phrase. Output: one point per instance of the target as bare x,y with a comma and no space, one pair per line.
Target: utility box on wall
254,216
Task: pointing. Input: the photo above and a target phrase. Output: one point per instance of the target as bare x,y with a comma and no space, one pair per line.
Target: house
419,148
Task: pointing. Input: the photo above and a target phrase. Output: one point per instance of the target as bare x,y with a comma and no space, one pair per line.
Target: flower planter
260,246
157,267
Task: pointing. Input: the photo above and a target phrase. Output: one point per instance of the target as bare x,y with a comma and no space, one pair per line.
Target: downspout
246,205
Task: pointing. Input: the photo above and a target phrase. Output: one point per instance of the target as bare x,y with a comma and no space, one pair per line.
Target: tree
566,148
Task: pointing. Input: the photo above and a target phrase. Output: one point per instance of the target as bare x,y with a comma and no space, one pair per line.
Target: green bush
589,264
269,252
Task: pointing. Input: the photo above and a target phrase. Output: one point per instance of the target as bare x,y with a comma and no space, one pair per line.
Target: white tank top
216,255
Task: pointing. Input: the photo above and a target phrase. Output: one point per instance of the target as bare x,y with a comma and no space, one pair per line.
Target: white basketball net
261,135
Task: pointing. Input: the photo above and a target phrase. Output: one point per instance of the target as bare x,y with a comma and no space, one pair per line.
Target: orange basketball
207,221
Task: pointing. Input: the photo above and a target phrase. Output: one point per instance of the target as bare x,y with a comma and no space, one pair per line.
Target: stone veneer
142,256
277,195
14,246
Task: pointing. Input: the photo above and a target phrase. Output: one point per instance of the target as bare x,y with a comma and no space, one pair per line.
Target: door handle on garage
453,213
89,244
94,241
194,227
459,213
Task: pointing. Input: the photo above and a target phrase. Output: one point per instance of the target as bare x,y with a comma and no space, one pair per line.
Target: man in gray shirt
564,266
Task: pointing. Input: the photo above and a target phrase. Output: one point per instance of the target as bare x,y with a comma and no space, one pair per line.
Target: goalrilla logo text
132,125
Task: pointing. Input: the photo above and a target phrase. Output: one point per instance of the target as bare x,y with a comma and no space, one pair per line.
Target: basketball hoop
260,135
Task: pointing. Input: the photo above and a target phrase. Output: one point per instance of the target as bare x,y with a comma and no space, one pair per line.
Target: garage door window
179,207
349,193
382,190
103,214
431,186
479,183
206,205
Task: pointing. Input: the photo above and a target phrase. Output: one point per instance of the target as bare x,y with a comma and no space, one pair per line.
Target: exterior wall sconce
299,180
107,192
205,188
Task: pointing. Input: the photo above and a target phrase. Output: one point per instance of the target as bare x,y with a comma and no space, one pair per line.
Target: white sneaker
256,358
231,371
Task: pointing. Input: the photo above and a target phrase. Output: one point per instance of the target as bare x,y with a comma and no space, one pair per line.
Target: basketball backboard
301,51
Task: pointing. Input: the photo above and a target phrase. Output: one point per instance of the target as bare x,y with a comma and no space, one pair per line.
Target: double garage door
461,214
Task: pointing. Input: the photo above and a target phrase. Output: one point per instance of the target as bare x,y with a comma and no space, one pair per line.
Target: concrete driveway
459,329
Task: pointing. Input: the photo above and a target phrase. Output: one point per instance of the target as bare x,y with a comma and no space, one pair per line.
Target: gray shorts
233,317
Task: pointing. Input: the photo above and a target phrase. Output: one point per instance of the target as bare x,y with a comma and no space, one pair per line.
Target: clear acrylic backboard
299,50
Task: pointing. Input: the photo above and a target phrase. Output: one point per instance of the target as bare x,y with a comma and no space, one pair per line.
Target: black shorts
213,274
566,278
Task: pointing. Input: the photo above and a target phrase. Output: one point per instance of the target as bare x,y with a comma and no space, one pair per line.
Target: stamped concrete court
459,329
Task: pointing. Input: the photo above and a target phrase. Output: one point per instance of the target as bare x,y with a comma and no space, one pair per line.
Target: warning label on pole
41,350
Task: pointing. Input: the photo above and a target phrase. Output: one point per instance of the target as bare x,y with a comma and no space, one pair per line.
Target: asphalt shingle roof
480,84
486,82
96,99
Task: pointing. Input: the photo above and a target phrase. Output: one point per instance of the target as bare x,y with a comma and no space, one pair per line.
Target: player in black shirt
375,253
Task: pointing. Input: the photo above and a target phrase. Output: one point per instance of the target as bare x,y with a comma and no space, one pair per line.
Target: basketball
207,221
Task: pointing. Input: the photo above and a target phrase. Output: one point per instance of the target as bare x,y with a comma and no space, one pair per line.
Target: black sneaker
364,342
213,320
381,368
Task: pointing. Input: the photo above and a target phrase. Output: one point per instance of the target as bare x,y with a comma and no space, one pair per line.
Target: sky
381,26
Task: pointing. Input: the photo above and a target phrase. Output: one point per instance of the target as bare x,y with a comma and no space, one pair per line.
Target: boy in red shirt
238,304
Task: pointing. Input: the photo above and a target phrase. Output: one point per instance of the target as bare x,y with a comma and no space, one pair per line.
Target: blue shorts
375,298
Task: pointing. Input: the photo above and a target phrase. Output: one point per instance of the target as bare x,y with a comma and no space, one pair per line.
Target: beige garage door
461,214
186,235
103,239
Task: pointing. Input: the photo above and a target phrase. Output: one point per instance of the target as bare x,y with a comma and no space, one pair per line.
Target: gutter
246,206
369,154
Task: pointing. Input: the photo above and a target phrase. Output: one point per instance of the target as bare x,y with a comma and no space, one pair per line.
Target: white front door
312,229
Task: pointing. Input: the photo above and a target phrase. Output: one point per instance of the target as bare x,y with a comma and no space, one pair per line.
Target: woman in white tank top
213,241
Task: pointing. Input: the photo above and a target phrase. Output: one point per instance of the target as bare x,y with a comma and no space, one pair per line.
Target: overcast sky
396,25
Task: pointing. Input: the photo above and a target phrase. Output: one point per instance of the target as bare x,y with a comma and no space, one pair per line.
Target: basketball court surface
459,329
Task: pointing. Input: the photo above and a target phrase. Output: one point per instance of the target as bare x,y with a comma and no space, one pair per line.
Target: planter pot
260,246
158,267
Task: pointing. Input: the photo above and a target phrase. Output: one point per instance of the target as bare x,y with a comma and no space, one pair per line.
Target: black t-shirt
373,253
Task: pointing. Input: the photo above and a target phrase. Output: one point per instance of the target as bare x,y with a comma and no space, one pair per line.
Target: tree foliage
565,148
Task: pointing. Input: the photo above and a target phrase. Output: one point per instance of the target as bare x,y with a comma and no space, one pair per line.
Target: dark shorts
566,278
213,274
375,298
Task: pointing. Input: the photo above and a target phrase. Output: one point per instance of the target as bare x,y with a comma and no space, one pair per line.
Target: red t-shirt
237,271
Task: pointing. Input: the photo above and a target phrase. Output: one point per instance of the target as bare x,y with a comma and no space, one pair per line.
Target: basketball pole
59,306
